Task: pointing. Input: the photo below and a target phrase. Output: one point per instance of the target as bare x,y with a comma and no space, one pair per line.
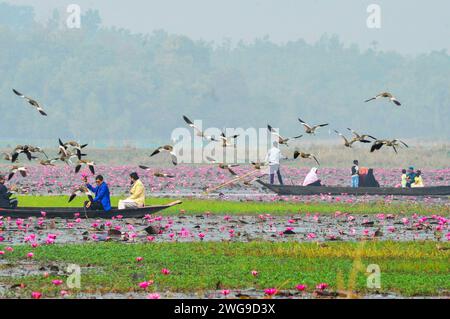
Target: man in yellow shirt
137,197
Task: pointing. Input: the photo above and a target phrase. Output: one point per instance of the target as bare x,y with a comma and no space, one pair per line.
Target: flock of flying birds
67,151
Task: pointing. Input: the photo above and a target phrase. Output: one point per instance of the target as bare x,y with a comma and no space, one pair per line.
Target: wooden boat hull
72,212
360,191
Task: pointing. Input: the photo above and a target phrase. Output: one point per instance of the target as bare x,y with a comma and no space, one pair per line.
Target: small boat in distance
360,191
72,212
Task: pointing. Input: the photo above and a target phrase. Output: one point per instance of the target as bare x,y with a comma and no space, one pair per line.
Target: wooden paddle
209,190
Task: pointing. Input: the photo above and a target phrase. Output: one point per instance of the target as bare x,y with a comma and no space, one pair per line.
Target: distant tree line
100,83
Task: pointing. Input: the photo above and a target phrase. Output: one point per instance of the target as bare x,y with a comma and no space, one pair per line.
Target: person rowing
102,199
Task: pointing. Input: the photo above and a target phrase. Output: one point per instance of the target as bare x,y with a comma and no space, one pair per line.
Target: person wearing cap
410,177
137,194
5,194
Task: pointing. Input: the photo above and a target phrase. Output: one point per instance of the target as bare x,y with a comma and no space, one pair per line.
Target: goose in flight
305,155
347,143
17,169
198,131
32,102
378,144
385,95
167,149
281,139
226,140
311,129
223,165
89,164
21,149
48,162
360,137
80,191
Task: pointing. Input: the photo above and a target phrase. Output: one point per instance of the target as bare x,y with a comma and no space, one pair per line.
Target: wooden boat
72,212
360,191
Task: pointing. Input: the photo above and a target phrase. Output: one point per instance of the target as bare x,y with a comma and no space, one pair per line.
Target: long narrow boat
72,212
360,191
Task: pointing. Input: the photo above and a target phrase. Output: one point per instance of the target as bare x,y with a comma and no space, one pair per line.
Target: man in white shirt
273,159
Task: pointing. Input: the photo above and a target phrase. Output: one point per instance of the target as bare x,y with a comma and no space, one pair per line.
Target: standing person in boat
312,179
137,191
418,181
355,174
5,201
273,159
370,180
410,177
102,199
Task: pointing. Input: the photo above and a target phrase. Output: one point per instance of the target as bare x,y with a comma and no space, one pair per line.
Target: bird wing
212,160
304,123
144,167
174,159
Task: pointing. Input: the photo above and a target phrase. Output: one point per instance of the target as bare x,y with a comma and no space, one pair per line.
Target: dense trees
104,84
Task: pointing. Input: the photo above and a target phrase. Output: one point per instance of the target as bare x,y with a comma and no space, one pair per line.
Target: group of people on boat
411,178
101,199
360,176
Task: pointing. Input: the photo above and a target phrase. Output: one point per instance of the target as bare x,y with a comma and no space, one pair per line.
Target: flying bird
360,137
89,164
347,143
198,131
80,191
167,149
223,165
226,140
32,102
281,139
378,144
311,129
48,162
385,95
163,175
17,169
21,149
305,155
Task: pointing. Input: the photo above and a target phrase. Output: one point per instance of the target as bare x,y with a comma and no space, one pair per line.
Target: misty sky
408,26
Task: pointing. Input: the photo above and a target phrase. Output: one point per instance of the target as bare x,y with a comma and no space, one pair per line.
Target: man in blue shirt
102,197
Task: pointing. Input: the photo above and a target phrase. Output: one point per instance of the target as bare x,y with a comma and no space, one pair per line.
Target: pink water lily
36,295
322,286
57,282
270,291
254,273
300,287
30,255
225,292
145,284
165,271
139,259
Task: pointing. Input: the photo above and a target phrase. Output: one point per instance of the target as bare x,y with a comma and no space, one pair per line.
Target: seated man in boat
312,178
418,181
137,191
102,199
5,194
